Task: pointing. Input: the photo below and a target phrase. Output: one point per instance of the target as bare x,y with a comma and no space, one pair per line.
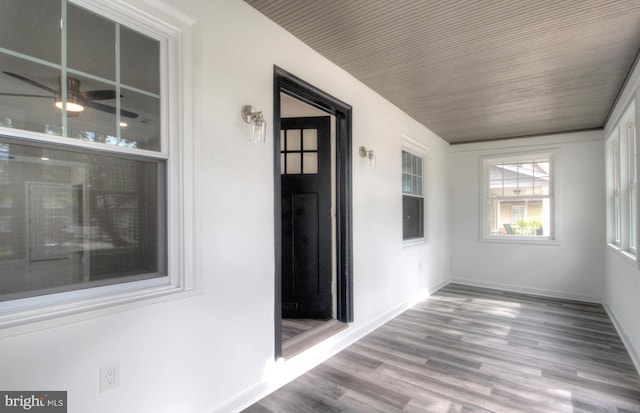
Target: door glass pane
293,140
310,140
310,163
293,163
91,43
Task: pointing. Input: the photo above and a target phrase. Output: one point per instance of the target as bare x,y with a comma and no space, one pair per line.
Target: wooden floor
468,349
292,327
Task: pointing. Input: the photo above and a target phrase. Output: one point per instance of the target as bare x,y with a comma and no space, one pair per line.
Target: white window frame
416,148
622,196
176,33
485,209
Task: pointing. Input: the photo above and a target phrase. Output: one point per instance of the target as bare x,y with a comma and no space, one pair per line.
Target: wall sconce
371,157
259,125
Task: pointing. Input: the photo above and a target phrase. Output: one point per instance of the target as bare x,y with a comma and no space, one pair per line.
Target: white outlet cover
109,377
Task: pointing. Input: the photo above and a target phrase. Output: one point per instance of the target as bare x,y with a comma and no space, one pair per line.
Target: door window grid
298,152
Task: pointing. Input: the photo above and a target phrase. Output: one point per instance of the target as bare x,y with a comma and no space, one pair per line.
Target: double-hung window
622,183
519,197
412,196
84,155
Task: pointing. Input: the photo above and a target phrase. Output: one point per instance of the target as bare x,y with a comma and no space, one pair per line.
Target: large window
519,197
84,153
622,185
412,196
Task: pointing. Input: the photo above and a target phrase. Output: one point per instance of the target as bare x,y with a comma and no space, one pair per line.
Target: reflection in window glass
72,220
37,29
140,58
90,44
91,102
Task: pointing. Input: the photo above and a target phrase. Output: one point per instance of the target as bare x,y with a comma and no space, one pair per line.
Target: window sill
39,318
624,253
413,242
521,241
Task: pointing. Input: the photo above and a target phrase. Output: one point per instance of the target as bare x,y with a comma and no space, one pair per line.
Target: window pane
139,61
28,90
633,213
520,218
412,217
140,121
98,117
32,108
518,197
411,174
71,220
406,183
37,32
91,43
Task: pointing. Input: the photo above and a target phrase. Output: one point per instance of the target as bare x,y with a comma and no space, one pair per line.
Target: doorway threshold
304,341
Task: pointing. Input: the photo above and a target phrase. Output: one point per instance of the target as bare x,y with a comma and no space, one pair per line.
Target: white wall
573,267
214,352
622,273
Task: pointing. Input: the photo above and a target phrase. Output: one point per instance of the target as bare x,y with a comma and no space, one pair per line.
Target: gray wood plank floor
292,327
469,349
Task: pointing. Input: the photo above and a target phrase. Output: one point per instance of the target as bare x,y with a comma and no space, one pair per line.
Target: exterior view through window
520,197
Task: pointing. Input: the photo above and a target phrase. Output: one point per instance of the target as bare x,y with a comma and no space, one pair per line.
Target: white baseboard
282,372
528,290
629,345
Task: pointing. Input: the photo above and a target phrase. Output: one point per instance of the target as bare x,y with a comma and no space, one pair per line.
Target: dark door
305,158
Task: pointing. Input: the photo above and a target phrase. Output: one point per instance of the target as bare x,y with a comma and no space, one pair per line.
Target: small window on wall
412,196
519,197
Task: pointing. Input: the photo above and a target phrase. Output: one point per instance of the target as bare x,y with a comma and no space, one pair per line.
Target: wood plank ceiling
478,70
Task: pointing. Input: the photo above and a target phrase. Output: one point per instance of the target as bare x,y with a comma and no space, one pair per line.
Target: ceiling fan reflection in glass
77,100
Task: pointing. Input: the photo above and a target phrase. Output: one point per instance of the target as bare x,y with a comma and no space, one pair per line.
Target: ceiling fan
77,100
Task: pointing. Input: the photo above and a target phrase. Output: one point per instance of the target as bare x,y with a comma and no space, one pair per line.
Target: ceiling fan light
71,106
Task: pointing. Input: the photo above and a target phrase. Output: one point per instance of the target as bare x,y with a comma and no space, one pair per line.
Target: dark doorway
305,170
305,256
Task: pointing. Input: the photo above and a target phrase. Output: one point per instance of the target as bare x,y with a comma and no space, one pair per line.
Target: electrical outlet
109,377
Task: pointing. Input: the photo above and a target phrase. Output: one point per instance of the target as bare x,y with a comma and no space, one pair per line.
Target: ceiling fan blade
99,94
110,109
26,95
31,82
